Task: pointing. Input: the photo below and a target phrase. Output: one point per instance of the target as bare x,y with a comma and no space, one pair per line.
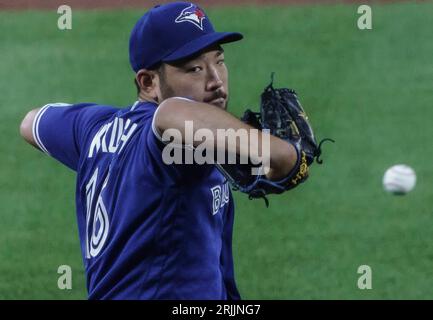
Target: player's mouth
219,102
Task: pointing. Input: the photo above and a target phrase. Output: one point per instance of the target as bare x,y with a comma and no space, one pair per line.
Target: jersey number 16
97,221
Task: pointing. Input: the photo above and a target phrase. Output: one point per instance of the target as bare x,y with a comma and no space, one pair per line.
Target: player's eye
220,62
194,69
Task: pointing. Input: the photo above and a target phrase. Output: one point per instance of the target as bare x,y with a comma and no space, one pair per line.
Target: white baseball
399,179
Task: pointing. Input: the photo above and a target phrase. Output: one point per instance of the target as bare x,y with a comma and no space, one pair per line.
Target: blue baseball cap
171,32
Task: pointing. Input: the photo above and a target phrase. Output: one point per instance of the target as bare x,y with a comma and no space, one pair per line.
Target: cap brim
201,43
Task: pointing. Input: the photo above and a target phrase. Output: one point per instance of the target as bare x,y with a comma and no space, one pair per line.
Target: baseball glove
282,115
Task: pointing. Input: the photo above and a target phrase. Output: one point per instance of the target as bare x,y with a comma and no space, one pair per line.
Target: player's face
202,78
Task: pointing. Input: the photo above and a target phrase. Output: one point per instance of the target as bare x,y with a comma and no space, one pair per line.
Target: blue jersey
147,230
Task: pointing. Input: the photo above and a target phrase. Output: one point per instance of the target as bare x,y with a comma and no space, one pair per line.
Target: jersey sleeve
153,147
164,169
59,130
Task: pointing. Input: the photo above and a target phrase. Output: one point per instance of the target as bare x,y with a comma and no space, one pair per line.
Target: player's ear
148,82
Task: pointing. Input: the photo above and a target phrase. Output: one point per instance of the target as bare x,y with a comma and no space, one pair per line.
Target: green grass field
369,90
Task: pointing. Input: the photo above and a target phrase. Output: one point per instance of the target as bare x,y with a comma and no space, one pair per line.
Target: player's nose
214,81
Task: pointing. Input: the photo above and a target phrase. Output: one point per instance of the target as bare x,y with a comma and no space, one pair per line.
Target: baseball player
151,230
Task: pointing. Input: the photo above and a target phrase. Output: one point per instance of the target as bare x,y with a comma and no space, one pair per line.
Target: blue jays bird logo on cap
192,14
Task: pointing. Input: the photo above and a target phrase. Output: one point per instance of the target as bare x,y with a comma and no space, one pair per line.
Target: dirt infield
89,4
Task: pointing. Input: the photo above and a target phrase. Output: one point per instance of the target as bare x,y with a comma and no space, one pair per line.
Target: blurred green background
370,90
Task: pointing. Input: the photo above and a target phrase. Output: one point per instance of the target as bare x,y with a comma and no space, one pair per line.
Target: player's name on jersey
112,137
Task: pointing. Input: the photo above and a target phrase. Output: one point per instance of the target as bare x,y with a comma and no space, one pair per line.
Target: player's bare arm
173,113
26,127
